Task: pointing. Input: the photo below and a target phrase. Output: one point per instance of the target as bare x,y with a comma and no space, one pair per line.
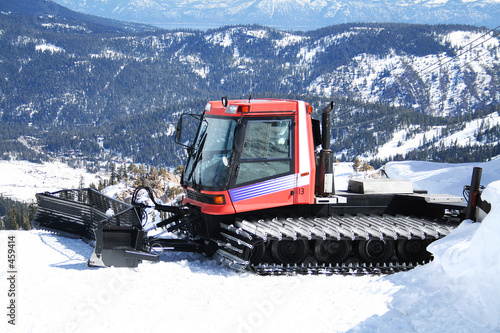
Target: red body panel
277,199
210,209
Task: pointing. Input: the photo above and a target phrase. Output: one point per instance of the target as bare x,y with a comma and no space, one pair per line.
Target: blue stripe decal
263,188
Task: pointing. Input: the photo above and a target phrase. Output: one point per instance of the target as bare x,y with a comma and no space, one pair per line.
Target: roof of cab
254,105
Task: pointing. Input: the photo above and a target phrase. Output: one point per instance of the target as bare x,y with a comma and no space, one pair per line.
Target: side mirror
178,131
239,138
185,131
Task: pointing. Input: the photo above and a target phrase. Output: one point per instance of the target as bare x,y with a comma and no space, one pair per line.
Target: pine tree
113,177
12,220
356,165
179,170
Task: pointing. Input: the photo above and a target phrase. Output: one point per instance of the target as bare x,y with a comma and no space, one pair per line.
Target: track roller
256,255
376,251
332,251
412,250
289,252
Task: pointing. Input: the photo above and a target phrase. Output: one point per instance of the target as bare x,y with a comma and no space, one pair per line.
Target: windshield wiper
197,159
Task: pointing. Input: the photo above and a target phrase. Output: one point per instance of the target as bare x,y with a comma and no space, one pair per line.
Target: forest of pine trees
15,215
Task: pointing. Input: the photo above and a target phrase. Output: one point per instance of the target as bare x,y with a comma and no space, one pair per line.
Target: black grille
200,197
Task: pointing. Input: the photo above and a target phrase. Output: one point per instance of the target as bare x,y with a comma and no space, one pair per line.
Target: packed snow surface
457,292
21,180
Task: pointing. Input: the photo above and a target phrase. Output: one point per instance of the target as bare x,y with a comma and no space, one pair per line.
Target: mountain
37,11
81,86
290,14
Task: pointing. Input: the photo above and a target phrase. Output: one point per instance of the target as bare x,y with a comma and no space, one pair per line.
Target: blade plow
114,226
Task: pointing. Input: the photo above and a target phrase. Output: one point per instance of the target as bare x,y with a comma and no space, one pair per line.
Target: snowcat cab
250,156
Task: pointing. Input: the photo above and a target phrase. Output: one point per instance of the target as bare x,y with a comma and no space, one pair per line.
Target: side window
266,152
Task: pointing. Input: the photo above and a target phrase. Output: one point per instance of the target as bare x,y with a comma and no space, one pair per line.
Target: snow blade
88,214
119,247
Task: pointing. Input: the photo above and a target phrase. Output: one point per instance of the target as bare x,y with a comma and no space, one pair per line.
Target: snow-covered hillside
376,77
457,292
442,177
403,142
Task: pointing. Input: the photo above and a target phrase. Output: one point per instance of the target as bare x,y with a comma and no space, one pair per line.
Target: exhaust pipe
326,159
470,212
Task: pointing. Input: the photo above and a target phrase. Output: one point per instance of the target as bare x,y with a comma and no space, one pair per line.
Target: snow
49,48
21,180
401,143
471,129
169,132
307,54
260,33
110,212
287,40
442,177
66,26
222,39
457,292
288,14
109,54
373,77
460,39
198,66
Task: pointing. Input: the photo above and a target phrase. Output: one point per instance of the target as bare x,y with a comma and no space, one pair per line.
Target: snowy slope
371,82
457,292
402,144
21,180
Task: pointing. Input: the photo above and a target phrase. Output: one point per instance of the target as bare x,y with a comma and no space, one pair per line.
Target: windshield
208,165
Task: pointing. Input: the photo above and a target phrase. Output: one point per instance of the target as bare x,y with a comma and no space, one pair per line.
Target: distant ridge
36,9
291,14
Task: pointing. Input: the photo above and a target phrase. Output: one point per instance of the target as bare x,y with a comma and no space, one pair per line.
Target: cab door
265,175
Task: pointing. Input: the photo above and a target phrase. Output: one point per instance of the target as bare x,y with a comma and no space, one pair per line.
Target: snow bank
446,178
459,290
474,270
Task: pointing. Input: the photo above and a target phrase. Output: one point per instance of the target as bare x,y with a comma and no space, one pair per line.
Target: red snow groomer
260,196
